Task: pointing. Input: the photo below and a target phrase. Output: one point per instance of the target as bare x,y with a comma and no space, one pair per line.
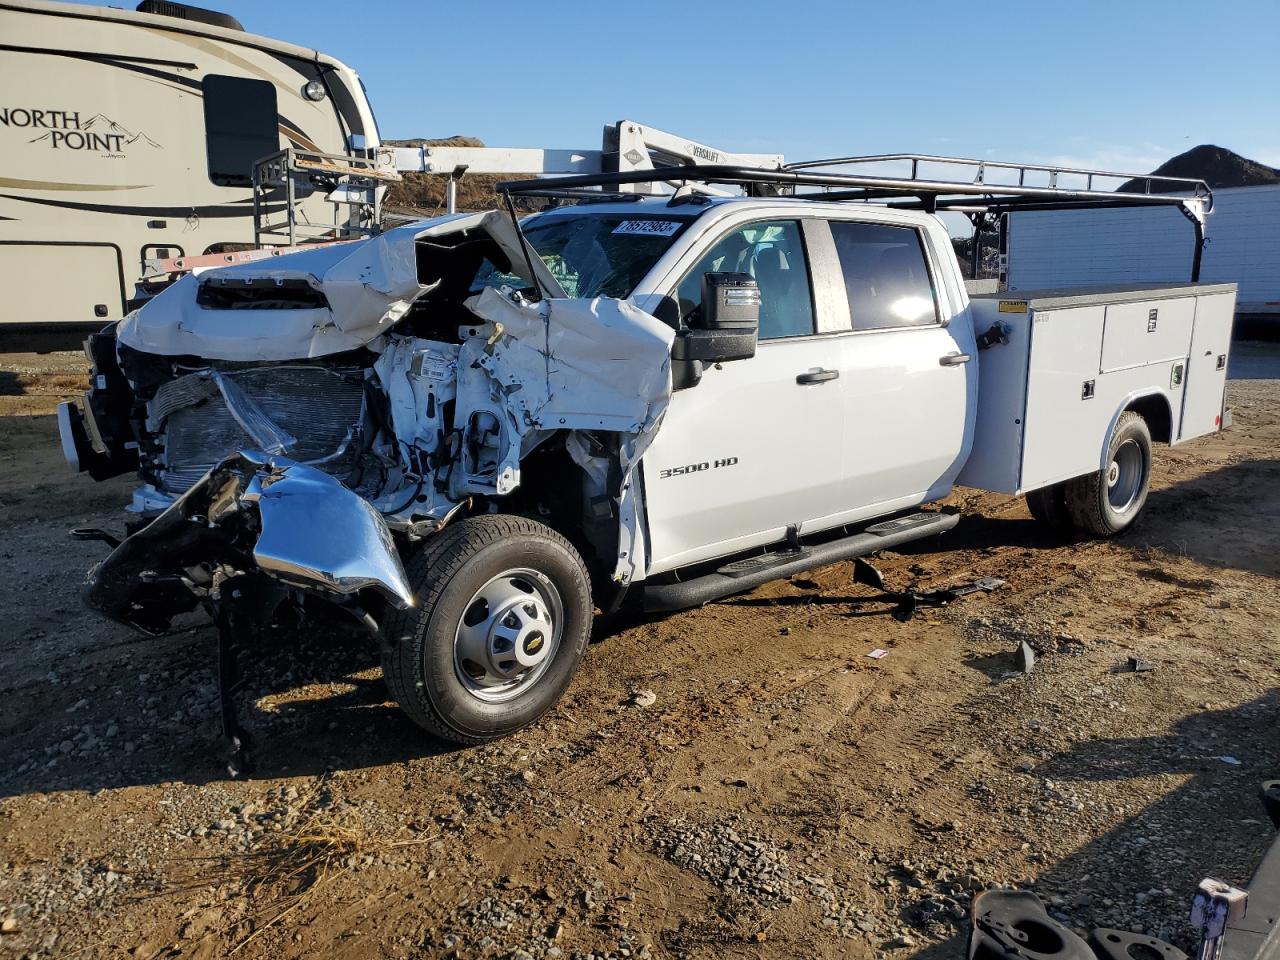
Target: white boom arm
626,146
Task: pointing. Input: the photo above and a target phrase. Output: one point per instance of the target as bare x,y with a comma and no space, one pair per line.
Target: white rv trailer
130,136
1071,248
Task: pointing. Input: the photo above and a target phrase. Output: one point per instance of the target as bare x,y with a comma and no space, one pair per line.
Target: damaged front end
252,526
298,422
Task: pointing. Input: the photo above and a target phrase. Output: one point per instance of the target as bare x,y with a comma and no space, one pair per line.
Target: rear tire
1104,503
502,623
1049,506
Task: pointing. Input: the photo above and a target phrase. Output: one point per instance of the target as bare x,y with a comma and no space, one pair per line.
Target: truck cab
864,344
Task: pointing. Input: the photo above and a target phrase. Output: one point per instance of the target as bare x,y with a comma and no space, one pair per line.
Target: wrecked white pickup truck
466,433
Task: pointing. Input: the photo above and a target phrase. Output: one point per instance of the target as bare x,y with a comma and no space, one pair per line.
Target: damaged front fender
249,514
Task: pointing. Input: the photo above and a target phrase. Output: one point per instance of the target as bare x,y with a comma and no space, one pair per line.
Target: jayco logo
65,131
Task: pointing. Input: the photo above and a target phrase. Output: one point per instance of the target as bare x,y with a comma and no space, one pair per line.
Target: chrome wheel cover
1126,476
508,636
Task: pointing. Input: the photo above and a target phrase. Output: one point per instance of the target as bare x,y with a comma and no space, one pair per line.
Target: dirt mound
1216,166
455,141
422,194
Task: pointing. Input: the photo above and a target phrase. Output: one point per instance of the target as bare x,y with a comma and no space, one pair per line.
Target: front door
755,447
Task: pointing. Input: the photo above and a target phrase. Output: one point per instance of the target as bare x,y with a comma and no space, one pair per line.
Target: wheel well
552,491
1155,410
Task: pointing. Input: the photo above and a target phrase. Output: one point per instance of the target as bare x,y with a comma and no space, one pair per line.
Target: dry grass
284,870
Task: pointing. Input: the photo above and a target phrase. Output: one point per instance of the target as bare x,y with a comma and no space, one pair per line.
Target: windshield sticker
648,228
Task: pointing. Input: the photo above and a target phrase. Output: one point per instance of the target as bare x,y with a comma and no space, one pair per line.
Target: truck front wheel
1105,503
501,626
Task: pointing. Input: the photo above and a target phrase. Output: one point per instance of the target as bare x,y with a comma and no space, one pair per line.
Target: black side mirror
714,346
730,301
728,321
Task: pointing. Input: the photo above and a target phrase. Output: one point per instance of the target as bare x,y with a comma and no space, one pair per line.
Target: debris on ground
644,698
1024,657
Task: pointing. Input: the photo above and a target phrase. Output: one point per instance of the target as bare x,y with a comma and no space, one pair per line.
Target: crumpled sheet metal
584,365
599,364
369,285
315,533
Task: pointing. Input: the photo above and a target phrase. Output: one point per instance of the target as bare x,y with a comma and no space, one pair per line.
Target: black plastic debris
906,603
1109,944
1014,925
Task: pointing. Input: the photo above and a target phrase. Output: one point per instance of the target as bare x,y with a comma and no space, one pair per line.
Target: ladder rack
983,201
981,167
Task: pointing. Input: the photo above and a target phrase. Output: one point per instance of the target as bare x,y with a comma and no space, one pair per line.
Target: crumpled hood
368,286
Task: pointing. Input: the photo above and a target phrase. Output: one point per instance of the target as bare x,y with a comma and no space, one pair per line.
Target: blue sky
1117,85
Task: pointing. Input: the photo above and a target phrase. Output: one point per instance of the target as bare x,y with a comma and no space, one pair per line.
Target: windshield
595,255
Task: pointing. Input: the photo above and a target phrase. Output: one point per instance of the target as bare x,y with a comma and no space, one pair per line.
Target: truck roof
691,209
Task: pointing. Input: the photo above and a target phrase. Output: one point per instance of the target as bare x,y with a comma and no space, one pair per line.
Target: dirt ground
783,795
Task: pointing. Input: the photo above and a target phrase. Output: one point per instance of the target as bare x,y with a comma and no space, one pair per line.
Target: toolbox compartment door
1063,430
1207,366
1148,331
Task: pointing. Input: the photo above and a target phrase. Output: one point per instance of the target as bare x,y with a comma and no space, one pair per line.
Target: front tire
502,623
1104,503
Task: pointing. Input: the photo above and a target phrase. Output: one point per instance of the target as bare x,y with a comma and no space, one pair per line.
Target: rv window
240,127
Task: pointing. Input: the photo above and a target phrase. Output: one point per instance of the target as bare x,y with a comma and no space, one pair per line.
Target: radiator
319,406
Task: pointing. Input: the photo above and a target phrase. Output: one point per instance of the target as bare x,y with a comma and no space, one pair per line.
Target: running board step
743,575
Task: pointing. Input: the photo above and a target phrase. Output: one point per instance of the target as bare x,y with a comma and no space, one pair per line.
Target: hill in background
1216,166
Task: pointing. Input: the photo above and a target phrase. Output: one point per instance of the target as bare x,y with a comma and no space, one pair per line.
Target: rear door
909,374
755,447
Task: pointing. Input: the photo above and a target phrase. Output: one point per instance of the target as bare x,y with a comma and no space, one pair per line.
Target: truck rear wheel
502,623
1049,506
1106,502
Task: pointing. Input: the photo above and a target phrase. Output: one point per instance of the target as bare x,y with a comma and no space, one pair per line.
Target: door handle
954,359
817,376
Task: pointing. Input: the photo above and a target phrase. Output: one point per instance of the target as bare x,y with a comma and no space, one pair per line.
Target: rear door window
886,275
240,127
771,251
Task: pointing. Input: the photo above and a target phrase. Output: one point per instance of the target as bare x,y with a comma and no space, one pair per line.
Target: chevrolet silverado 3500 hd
468,433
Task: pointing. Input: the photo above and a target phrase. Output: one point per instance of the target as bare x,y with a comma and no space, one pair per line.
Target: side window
886,275
240,126
773,253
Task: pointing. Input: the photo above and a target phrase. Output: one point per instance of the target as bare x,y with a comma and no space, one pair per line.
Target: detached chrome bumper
317,533
250,514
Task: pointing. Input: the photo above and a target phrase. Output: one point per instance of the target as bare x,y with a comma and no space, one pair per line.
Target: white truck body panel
1068,248
1076,359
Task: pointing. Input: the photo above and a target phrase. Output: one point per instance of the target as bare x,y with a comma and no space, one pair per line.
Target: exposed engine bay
410,377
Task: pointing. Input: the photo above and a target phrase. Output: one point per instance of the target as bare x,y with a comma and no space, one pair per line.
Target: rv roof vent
165,8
